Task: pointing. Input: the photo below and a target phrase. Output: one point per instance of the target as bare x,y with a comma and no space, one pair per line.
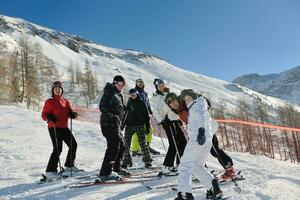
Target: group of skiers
186,120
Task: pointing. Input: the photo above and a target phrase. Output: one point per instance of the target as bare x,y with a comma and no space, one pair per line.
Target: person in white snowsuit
171,124
201,128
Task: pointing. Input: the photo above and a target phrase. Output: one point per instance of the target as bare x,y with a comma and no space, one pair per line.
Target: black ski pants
173,129
114,151
215,151
62,134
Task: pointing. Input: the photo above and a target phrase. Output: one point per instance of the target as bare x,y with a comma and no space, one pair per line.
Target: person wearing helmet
201,128
56,112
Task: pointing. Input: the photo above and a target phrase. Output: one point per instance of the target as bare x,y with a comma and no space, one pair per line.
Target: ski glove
51,117
165,122
73,115
201,136
179,122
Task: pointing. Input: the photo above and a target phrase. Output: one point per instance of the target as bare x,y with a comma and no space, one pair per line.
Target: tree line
26,75
260,140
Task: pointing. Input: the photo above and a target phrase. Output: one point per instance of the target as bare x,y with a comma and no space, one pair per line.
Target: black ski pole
162,141
56,142
71,146
173,137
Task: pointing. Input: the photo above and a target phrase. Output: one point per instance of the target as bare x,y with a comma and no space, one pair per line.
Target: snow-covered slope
284,85
107,62
25,148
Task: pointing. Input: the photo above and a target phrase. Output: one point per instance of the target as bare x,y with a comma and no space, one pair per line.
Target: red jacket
182,112
60,107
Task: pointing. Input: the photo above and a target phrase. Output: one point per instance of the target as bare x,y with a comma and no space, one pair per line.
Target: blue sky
218,38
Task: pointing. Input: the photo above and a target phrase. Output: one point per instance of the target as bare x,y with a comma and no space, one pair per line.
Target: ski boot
229,173
112,176
215,192
153,151
148,165
136,153
188,196
50,176
125,166
123,172
170,171
73,169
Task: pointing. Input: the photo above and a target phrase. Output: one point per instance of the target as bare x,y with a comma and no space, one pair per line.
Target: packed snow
25,147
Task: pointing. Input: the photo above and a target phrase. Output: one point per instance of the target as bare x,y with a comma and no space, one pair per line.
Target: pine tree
88,83
14,76
78,73
25,62
4,76
72,76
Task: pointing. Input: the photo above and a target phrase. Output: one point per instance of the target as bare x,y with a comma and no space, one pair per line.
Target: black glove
51,117
73,115
147,127
166,121
179,122
201,136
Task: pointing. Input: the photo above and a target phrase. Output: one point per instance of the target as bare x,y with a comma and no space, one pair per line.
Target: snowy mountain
284,85
106,62
26,146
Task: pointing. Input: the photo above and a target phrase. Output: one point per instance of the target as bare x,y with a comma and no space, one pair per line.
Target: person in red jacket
56,112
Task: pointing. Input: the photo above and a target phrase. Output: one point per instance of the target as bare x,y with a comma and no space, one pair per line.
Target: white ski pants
192,163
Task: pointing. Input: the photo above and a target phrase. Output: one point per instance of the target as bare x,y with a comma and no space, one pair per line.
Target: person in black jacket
143,95
112,112
137,118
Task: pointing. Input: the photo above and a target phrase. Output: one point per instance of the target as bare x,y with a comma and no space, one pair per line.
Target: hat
132,91
188,92
118,78
139,80
157,81
56,84
170,97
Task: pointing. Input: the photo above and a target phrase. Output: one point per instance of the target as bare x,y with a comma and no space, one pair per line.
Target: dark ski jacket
111,106
143,95
137,113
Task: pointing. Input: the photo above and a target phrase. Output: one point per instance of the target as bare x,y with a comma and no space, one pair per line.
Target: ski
45,179
231,180
113,182
222,198
160,174
144,168
159,187
194,188
153,175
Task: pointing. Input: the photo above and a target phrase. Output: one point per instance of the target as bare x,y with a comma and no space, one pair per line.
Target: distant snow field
25,148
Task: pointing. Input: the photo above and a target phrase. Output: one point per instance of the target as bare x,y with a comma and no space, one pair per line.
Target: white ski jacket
200,117
195,155
161,109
